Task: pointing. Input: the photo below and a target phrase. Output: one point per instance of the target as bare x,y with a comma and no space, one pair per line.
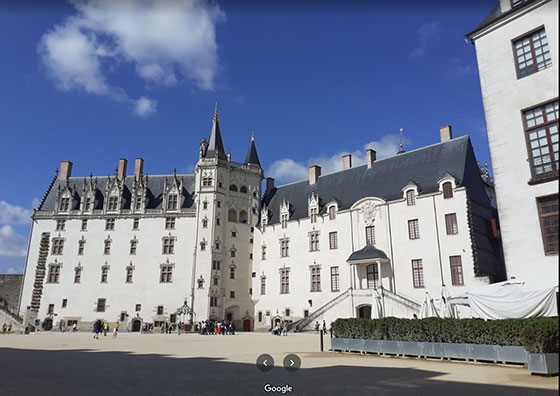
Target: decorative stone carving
368,211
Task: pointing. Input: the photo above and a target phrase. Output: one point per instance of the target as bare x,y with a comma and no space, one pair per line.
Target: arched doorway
136,325
246,324
363,311
47,324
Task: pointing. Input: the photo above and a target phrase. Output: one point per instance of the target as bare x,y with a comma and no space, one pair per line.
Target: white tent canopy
513,298
376,306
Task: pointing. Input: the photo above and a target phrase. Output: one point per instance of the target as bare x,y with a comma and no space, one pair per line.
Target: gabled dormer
265,215
113,195
332,208
410,192
139,199
313,207
89,195
447,184
66,198
173,193
284,213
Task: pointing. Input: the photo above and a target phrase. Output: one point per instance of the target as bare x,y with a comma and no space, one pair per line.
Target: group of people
103,327
318,327
224,327
7,328
281,328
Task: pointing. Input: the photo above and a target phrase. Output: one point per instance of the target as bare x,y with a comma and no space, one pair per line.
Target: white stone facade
506,96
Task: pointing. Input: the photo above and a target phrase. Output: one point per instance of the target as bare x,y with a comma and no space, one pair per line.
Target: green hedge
537,335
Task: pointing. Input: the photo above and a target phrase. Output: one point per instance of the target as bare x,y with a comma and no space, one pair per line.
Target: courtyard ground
159,364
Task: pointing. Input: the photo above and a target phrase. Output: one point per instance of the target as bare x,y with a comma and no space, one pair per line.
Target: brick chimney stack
314,173
269,184
445,133
138,169
371,156
347,161
65,170
121,172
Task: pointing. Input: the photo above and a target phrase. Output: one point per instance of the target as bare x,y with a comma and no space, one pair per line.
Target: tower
227,196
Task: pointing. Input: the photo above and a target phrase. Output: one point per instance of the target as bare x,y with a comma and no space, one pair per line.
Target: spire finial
253,136
401,145
216,109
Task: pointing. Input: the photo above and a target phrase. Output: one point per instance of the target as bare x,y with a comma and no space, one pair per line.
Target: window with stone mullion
541,124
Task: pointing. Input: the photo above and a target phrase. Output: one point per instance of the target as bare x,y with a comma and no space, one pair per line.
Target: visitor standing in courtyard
74,328
324,327
96,329
317,326
4,327
115,329
105,329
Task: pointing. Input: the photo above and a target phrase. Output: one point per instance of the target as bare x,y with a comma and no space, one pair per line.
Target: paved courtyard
157,364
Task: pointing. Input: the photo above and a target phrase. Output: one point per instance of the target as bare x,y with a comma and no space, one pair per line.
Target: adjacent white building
136,248
517,52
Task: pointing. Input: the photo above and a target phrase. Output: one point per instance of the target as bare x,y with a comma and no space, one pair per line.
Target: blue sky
93,81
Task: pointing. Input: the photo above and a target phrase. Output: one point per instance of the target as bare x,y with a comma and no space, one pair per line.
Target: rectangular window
313,215
315,279
64,204
216,265
107,248
410,198
231,272
333,240
112,204
129,271
133,245
288,311
213,301
138,203
84,225
335,279
305,313
451,224
284,281
372,274
541,127
370,235
172,202
54,273
260,316
87,204
231,294
57,246
413,229
417,273
101,302
109,224
447,190
138,307
170,223
169,245
64,302
314,241
60,225
51,308
160,309
532,53
548,216
166,274
456,270
263,252
284,247
81,246
77,274
135,224
104,274
263,285
332,213
284,220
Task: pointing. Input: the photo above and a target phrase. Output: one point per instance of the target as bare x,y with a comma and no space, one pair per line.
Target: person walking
96,329
115,329
74,328
317,326
9,327
105,329
4,327
324,327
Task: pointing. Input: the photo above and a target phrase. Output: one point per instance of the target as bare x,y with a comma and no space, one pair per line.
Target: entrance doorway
247,325
136,325
47,324
364,311
229,316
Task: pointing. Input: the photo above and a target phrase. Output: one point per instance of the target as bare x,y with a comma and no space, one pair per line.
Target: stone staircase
299,325
40,271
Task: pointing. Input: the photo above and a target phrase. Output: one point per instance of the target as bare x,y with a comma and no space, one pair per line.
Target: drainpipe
393,282
437,236
352,277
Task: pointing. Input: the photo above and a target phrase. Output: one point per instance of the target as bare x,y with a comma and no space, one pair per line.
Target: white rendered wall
504,97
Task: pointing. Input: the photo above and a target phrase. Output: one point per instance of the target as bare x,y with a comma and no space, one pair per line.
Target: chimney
445,133
347,161
371,156
65,170
269,184
138,168
121,173
314,173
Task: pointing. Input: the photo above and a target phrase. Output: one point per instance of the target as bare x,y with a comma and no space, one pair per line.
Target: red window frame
333,240
548,219
447,190
413,229
370,235
456,265
335,279
417,274
451,226
410,198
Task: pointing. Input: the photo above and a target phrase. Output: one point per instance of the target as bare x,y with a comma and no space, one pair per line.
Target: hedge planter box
537,363
543,363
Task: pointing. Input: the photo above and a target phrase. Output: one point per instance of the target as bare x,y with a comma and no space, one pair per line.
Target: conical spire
215,144
252,157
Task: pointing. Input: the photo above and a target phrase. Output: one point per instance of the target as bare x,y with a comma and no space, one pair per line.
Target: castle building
517,52
153,249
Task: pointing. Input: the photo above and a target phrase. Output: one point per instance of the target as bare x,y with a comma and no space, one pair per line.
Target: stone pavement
76,364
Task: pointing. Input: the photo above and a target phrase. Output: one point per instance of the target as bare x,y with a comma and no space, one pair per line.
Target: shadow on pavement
80,372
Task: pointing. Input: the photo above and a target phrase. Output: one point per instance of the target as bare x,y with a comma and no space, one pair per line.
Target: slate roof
252,157
368,252
385,179
215,144
155,191
497,14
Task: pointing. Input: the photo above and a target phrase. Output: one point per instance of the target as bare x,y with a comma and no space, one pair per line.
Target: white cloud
13,214
11,243
144,106
287,170
35,203
165,41
12,271
427,35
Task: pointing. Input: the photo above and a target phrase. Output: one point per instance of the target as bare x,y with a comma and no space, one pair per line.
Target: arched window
372,276
243,217
243,189
232,187
232,215
447,190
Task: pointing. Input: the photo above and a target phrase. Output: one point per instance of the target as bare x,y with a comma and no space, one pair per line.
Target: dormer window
447,190
113,203
313,215
284,220
410,198
138,203
172,202
64,204
332,212
88,204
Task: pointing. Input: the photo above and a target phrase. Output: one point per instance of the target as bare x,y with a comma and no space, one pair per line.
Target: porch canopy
368,254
